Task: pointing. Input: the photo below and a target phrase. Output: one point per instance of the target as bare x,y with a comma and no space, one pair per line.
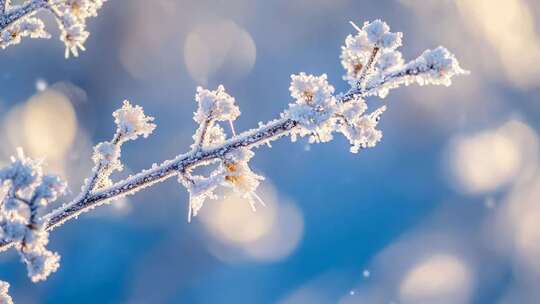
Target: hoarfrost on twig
373,66
19,21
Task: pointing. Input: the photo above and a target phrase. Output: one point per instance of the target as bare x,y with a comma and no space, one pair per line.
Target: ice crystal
132,122
379,35
434,67
314,107
26,192
30,27
106,153
215,105
373,38
239,176
200,189
361,130
4,296
73,33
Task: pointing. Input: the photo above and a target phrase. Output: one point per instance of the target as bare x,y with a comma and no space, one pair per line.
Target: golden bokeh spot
49,125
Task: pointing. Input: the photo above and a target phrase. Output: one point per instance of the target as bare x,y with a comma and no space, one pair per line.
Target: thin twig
202,134
100,171
271,131
9,17
249,139
367,68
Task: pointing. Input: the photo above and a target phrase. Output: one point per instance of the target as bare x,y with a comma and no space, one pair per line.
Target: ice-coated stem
11,16
268,132
24,20
316,112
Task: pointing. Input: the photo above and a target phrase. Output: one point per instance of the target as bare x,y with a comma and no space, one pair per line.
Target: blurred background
445,210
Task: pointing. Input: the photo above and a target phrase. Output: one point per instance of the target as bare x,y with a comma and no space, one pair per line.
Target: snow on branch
373,67
4,288
19,21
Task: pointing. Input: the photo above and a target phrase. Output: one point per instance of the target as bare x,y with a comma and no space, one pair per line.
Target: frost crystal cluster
4,296
25,192
233,170
19,21
373,66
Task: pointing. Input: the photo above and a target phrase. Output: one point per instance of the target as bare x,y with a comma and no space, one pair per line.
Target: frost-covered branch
18,21
4,296
373,66
26,191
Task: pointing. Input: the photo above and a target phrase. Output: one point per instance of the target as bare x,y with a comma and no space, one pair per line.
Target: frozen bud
215,105
74,38
353,109
34,28
10,36
314,108
36,237
358,49
441,65
50,188
15,229
79,8
358,43
27,192
82,8
361,132
355,54
200,189
311,90
4,293
22,172
435,67
378,33
40,263
69,20
389,60
214,135
132,123
73,33
391,41
27,27
106,153
239,176
375,30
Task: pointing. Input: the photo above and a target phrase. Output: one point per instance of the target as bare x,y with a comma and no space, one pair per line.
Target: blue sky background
439,212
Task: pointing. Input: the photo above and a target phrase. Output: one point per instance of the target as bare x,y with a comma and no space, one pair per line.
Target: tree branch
316,112
88,200
30,7
20,21
269,132
248,139
367,67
